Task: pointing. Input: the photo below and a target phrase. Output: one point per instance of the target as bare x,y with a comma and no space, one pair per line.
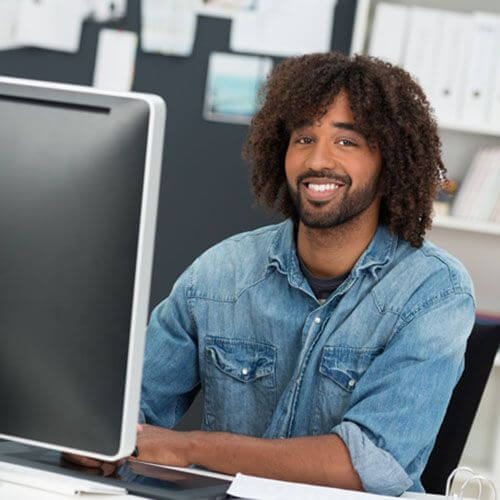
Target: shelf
470,128
450,222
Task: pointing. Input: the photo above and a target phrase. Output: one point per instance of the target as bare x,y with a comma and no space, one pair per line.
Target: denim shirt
375,364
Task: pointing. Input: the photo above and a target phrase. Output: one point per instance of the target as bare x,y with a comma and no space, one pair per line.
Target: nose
320,156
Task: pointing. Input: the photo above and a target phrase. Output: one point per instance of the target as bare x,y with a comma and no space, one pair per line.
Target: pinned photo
233,83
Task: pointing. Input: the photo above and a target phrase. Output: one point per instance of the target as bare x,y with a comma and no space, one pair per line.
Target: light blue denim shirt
375,364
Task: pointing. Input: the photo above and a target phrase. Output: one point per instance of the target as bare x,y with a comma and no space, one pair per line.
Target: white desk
9,491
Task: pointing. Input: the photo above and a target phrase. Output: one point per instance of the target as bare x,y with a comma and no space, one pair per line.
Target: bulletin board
205,194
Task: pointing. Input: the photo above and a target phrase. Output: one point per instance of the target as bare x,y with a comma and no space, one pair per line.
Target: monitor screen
79,181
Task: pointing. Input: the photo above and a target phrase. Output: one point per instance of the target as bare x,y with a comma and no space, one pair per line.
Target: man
327,346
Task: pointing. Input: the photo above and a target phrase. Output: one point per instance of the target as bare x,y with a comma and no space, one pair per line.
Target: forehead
337,109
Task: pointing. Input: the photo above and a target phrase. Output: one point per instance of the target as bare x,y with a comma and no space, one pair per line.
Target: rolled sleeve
368,460
399,403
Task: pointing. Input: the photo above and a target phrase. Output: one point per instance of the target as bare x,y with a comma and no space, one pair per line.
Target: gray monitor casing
79,185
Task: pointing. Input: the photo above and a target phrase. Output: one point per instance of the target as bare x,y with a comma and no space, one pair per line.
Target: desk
10,491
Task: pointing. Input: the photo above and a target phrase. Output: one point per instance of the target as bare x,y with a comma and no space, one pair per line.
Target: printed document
51,24
168,26
284,28
115,60
9,15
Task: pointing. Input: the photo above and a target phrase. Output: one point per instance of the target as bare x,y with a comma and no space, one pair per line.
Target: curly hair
389,109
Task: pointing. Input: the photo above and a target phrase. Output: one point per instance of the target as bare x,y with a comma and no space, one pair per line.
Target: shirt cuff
379,472
142,417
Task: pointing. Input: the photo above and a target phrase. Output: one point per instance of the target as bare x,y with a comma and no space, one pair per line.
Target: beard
344,209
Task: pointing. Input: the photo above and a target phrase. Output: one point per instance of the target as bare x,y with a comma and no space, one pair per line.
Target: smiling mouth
321,191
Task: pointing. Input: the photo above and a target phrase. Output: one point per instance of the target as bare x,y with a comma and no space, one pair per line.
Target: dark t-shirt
322,287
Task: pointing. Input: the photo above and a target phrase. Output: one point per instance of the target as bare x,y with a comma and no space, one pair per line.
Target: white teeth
322,187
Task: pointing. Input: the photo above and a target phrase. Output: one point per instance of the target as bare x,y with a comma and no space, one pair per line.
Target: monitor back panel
71,179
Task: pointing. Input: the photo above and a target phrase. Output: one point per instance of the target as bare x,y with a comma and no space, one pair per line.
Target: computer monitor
79,183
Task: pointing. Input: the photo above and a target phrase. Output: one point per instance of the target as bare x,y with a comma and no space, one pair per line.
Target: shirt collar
283,251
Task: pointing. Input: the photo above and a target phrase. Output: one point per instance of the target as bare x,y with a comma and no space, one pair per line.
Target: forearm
322,460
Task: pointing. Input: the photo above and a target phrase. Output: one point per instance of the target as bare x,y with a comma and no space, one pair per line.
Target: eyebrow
343,125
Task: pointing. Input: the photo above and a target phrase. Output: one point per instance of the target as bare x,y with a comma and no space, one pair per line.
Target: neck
329,253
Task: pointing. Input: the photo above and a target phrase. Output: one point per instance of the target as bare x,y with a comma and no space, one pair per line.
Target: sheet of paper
168,26
258,488
51,24
284,28
225,8
115,60
9,15
104,11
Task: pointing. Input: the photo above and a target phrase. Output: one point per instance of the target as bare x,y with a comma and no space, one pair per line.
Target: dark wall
205,194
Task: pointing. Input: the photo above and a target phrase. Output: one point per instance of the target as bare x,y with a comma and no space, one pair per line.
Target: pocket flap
346,365
243,360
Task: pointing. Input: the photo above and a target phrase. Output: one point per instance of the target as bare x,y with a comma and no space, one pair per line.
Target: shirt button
351,383
317,320
244,371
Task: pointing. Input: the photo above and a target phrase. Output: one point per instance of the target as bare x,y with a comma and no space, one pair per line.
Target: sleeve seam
421,309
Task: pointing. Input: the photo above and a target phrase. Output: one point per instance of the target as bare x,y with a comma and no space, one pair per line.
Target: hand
162,446
97,467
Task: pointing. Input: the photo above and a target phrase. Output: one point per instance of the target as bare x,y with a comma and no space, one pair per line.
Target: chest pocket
240,385
340,369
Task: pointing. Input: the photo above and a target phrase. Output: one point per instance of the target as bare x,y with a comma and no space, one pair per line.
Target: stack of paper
258,488
478,198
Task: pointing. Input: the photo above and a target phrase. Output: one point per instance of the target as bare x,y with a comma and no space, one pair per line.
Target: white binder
494,114
481,69
452,61
388,36
424,35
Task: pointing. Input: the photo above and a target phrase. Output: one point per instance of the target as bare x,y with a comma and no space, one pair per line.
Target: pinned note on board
225,8
50,24
9,14
284,28
168,27
104,11
115,60
233,82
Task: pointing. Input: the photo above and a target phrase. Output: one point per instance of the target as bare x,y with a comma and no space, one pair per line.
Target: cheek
366,170
290,166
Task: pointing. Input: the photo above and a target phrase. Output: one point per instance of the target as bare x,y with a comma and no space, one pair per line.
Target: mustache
324,173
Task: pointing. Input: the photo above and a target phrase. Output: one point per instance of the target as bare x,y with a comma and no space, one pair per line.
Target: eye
304,140
346,142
